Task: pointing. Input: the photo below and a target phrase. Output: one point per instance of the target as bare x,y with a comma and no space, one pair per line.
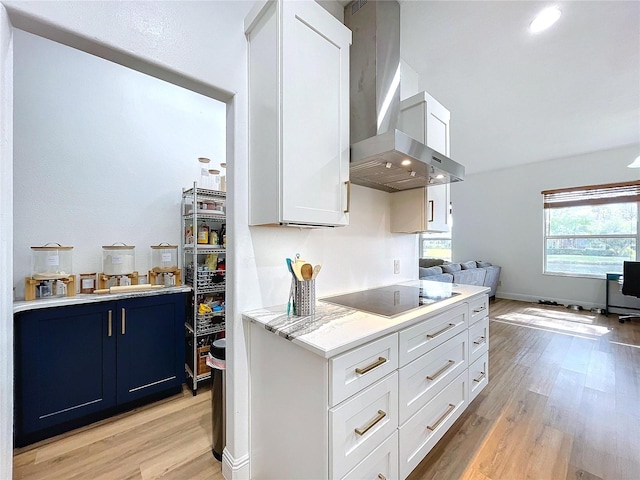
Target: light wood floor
563,402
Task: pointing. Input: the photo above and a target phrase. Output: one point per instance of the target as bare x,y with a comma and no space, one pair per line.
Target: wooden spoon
306,271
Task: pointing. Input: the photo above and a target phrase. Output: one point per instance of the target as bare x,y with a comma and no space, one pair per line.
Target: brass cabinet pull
381,477
377,363
441,419
124,321
481,377
348,184
109,324
430,217
448,327
366,428
478,310
481,341
441,371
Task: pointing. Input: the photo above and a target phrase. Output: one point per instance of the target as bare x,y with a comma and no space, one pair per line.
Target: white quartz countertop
84,298
334,329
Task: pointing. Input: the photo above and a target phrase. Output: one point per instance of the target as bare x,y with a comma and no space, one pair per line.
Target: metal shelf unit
204,267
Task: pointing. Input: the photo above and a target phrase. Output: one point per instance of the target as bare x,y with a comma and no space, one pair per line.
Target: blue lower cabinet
150,353
78,364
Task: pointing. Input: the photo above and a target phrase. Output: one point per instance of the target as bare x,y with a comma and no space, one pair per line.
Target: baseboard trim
534,299
235,468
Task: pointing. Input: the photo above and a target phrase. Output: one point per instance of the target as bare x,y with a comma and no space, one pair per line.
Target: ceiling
518,98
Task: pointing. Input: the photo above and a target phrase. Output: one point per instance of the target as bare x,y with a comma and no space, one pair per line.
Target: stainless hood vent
383,157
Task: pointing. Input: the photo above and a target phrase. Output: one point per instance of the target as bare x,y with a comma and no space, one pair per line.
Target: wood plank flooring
563,402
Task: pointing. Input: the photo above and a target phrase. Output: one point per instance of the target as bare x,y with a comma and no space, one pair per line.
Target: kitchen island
347,394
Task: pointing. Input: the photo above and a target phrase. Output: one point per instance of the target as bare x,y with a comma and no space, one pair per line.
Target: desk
616,301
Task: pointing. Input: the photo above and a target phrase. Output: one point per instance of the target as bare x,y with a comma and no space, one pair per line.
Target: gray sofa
467,273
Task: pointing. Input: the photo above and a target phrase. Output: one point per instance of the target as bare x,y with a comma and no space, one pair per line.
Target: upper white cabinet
298,115
426,209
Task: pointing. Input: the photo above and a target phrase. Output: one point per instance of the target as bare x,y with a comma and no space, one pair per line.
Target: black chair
630,285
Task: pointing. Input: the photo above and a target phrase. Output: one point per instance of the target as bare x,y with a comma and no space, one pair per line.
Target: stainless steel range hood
383,157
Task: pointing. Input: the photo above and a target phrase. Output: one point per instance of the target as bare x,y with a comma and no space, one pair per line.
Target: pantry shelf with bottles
204,260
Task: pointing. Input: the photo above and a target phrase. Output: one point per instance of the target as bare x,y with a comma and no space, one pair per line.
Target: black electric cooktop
394,299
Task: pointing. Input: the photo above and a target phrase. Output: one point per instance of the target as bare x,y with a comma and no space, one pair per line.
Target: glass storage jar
118,259
51,261
164,257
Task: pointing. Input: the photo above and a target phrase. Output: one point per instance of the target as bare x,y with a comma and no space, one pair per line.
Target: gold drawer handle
124,321
441,371
481,377
110,324
441,419
482,341
439,332
381,477
479,309
362,371
362,431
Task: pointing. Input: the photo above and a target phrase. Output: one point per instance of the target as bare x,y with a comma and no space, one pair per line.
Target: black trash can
218,364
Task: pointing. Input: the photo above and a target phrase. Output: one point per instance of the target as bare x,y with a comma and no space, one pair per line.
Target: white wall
101,153
203,44
6,246
499,219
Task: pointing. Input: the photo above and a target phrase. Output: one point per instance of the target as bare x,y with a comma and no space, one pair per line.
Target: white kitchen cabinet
298,58
371,410
424,209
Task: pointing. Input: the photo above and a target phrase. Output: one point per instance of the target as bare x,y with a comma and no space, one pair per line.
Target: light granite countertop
85,298
334,329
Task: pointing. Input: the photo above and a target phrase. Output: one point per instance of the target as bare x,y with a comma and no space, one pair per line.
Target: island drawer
363,366
419,339
424,378
425,428
361,424
382,463
478,308
478,376
478,339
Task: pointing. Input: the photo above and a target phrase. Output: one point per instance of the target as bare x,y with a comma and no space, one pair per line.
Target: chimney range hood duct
378,149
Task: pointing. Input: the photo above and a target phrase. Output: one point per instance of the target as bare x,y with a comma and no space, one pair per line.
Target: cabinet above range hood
383,157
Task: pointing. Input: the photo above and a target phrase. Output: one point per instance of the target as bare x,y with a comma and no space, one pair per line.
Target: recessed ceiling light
440,176
545,19
406,162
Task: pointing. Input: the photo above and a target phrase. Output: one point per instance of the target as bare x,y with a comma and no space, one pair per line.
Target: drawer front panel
425,428
363,366
478,376
425,377
419,339
381,464
478,339
478,308
361,424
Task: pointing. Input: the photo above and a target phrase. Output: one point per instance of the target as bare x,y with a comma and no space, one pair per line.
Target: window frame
591,195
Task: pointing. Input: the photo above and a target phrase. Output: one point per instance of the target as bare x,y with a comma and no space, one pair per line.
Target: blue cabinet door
65,364
150,347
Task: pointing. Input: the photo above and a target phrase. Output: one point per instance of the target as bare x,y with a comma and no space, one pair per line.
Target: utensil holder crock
305,297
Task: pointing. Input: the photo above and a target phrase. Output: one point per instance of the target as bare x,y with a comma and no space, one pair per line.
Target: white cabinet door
437,136
298,115
422,117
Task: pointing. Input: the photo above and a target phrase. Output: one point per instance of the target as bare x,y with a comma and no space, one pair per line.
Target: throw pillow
468,265
451,268
483,264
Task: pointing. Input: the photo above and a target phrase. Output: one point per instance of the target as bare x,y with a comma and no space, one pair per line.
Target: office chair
630,285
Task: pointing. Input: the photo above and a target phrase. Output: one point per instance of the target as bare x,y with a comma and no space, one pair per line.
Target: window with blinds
590,230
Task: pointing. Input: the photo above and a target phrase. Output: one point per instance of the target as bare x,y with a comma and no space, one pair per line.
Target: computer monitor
631,279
